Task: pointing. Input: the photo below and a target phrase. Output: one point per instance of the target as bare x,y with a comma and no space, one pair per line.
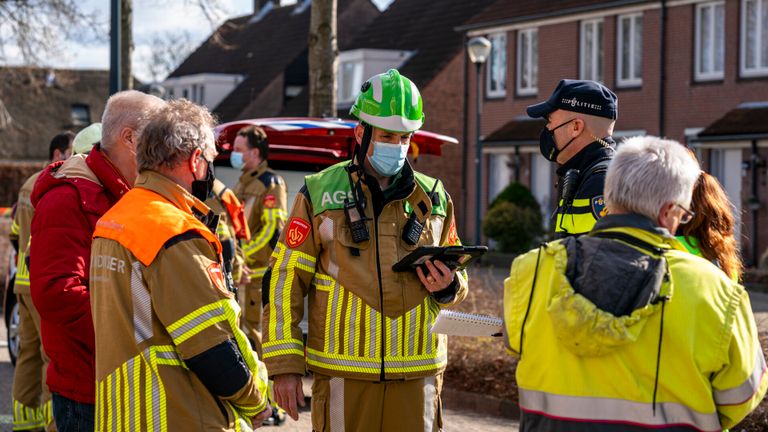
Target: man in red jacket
69,198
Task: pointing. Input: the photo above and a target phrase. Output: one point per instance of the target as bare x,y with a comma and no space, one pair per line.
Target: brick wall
444,111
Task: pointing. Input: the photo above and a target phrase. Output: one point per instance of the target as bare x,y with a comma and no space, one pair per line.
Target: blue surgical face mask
236,159
388,159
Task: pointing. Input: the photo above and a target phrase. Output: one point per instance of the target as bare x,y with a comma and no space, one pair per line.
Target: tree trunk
323,55
126,44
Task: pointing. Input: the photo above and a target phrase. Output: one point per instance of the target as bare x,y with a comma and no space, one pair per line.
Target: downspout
663,69
754,203
465,145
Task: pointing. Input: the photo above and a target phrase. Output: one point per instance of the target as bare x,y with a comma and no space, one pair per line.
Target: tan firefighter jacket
159,298
365,321
225,230
20,230
263,194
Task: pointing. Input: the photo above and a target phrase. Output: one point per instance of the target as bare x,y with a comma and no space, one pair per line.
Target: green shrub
515,228
517,194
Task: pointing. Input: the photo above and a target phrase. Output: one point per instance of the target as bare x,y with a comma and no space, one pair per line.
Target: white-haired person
623,329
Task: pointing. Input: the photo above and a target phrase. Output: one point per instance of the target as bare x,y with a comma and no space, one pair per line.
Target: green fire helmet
391,102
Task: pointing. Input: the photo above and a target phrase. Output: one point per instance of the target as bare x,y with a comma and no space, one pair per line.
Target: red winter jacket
69,198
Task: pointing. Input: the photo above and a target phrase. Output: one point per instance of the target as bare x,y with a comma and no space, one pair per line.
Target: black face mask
547,144
202,189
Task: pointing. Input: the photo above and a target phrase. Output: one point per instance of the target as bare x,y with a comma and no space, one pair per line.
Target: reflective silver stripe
114,398
352,324
412,332
334,317
142,305
336,405
305,262
394,349
168,355
415,363
279,288
742,393
373,338
374,364
597,409
322,282
213,313
430,396
131,408
157,420
281,347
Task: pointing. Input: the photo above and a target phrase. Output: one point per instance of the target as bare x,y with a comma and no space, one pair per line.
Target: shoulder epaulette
269,178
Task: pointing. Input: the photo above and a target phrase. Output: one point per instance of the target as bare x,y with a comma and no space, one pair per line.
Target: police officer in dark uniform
580,117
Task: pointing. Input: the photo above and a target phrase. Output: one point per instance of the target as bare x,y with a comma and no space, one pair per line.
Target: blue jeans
72,416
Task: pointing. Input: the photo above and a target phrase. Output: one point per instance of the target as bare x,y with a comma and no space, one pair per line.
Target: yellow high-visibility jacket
624,330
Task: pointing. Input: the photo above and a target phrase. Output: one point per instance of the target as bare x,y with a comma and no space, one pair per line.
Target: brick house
254,65
672,80
40,103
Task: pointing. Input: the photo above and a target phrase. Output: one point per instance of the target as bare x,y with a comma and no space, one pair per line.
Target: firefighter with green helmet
376,364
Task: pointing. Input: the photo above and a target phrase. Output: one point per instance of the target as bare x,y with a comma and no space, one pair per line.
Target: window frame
597,58
496,93
80,108
357,66
533,89
631,81
698,74
758,71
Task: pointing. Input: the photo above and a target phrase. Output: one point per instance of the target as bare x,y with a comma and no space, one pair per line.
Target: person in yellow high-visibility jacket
623,329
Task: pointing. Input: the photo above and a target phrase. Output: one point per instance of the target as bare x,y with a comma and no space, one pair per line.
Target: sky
151,17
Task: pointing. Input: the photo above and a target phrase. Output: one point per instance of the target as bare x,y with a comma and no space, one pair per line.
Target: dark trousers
72,416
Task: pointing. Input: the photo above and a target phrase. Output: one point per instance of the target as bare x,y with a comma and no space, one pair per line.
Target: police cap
582,96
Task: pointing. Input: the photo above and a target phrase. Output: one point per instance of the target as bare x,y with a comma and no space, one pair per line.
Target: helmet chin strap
362,148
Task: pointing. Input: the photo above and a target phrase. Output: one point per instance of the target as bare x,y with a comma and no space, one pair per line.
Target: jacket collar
171,191
640,226
109,176
589,155
250,175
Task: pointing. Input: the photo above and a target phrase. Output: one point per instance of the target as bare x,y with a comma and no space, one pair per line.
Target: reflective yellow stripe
269,220
136,366
110,404
366,365
282,347
195,322
26,418
15,228
280,287
257,273
22,272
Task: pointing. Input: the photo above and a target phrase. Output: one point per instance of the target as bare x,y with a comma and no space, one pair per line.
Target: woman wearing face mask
368,325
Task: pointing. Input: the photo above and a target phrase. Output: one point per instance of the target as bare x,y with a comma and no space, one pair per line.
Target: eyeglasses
687,215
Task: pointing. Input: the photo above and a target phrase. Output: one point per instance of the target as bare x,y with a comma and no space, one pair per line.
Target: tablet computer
455,257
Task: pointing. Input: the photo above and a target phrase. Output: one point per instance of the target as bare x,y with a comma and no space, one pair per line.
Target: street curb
460,400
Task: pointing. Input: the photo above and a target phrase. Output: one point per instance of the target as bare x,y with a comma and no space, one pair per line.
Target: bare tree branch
167,51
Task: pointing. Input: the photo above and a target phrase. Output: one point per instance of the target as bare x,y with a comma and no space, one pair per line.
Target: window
350,80
201,94
754,38
527,61
496,76
710,41
629,58
81,115
591,62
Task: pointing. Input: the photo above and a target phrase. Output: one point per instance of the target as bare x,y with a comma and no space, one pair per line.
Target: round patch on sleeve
270,201
217,277
598,207
297,231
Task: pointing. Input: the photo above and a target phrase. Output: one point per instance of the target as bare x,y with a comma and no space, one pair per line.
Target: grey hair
648,172
173,133
125,109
